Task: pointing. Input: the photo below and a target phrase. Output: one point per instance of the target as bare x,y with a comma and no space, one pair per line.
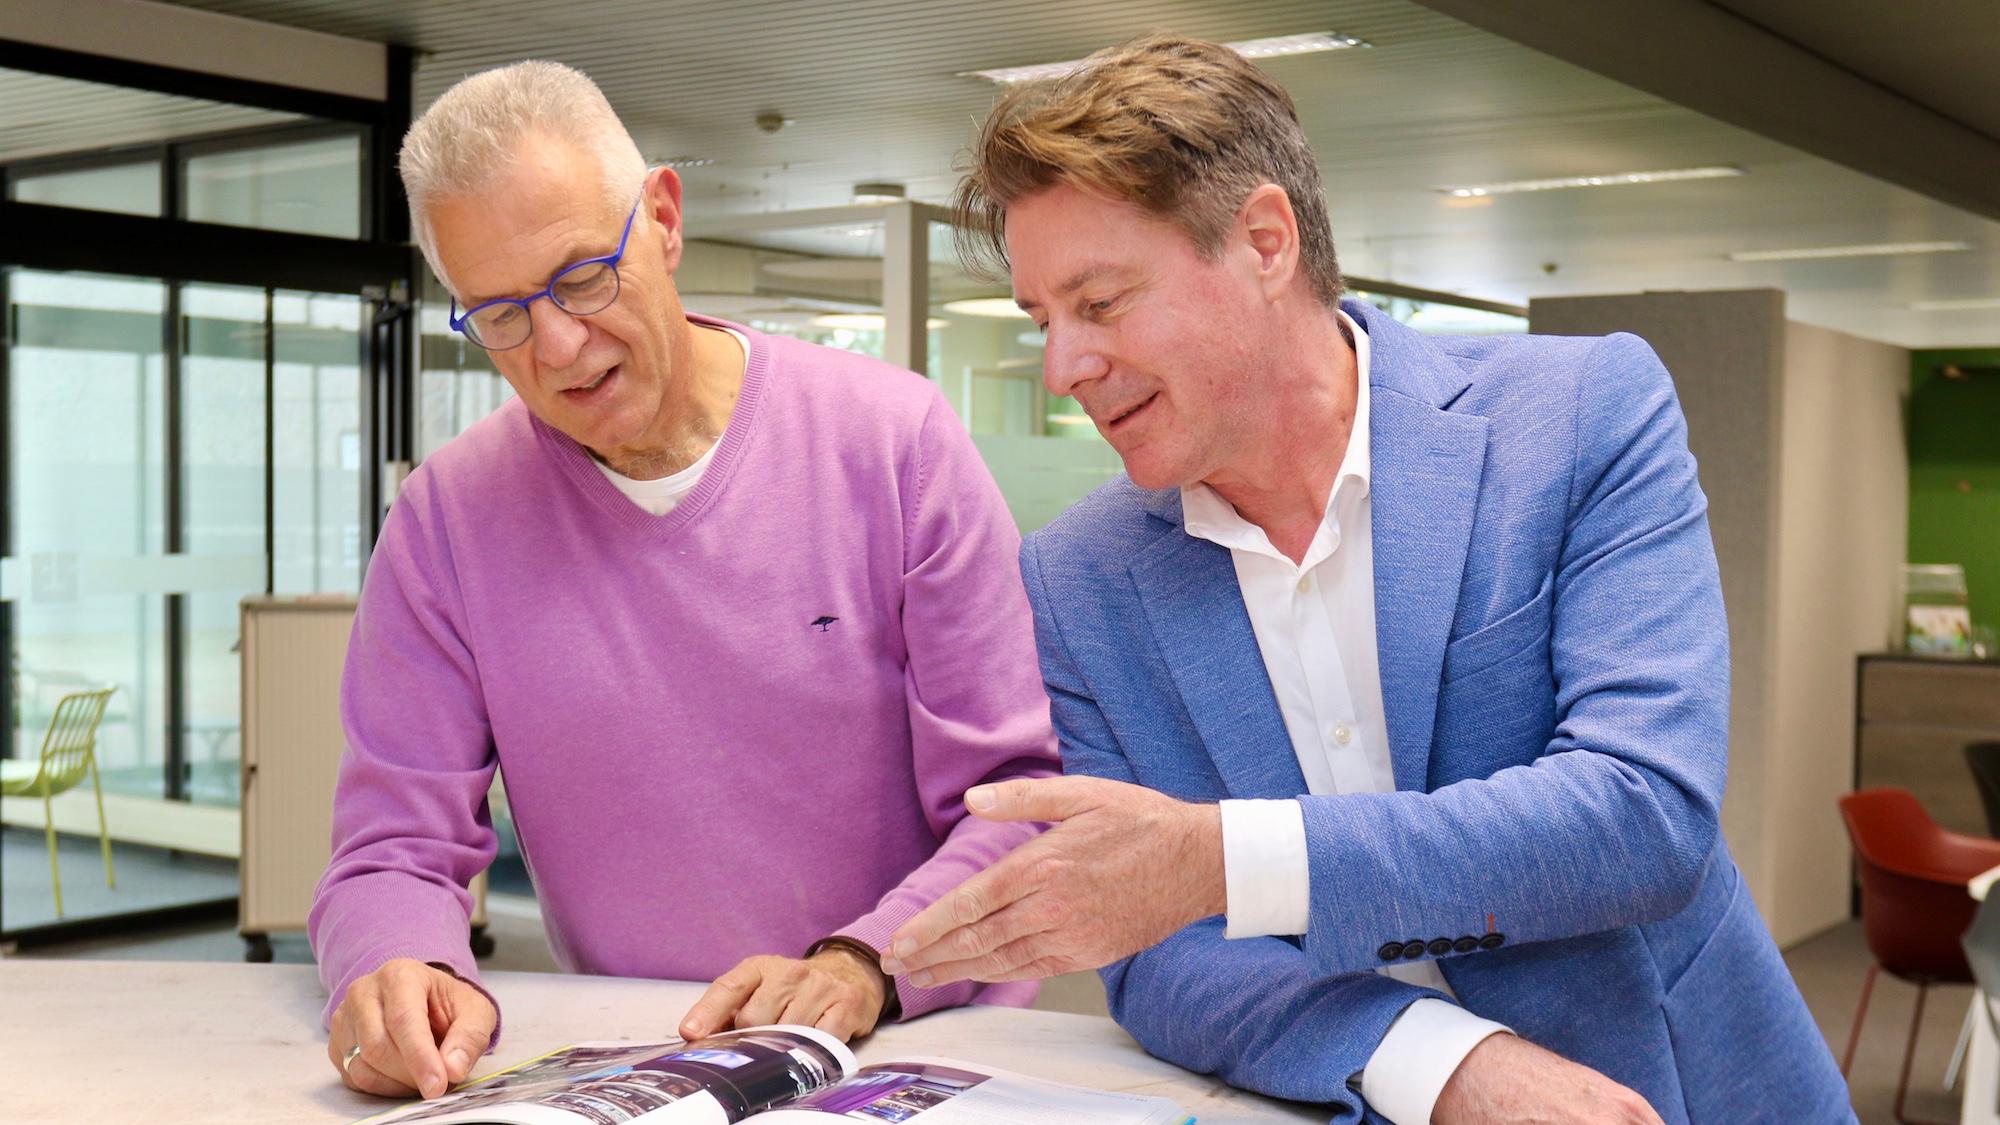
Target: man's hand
836,990
1122,870
420,1030
1507,1078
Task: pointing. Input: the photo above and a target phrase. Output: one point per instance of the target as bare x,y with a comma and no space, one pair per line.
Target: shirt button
1306,584
1342,733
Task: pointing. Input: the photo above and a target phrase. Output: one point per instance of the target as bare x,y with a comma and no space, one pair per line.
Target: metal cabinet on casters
293,649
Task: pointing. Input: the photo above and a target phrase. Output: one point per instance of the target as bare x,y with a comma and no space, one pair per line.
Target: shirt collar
1206,515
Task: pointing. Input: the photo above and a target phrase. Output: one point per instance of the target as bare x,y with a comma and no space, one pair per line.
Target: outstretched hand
1121,870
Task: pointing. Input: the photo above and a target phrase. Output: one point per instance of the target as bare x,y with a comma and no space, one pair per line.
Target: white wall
1725,351
1798,433
1844,490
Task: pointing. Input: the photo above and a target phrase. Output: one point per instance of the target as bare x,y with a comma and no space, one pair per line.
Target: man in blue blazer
1396,669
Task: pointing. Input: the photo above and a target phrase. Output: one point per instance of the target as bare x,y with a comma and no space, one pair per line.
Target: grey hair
475,130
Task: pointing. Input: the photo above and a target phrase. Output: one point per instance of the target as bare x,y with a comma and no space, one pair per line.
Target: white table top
1982,883
221,1043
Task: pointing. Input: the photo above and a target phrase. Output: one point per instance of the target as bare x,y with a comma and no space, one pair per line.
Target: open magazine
770,1075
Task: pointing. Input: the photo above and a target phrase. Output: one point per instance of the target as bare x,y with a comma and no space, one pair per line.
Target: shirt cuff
1264,869
1418,1056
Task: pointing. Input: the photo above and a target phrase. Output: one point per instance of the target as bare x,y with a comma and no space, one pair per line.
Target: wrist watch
892,1005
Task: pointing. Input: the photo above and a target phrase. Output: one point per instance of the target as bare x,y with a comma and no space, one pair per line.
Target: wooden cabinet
1914,716
293,650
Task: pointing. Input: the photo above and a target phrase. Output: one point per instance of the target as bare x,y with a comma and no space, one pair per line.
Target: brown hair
1182,128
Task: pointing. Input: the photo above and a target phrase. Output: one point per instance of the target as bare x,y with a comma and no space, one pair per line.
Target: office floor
1829,969
148,878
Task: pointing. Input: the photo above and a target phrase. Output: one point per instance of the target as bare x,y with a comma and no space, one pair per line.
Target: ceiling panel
872,91
45,116
1944,54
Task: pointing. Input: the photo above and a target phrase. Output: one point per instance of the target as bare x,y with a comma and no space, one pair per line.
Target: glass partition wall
186,418
861,278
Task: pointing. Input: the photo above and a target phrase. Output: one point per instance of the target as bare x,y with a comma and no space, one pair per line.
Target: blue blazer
1555,674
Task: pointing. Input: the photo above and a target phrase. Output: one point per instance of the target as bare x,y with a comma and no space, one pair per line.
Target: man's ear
1268,226
663,205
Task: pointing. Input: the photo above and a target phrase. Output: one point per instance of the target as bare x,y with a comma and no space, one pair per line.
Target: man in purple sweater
737,617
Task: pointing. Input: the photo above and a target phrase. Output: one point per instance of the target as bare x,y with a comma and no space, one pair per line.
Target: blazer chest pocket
1513,633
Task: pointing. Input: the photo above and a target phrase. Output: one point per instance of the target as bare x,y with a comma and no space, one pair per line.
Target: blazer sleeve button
1492,941
1390,951
1440,946
1412,950
1466,944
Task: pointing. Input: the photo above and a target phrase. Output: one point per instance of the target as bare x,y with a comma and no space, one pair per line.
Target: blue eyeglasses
579,289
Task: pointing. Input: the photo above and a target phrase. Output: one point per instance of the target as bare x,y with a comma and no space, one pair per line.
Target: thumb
1041,798
470,1033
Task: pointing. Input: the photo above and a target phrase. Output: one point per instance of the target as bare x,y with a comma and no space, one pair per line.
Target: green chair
68,752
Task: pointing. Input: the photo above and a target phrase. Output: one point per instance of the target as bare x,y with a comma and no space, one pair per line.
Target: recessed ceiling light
1609,179
1872,250
879,193
1966,305
1249,48
1001,307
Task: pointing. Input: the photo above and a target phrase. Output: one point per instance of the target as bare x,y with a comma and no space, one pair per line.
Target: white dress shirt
664,494
1315,627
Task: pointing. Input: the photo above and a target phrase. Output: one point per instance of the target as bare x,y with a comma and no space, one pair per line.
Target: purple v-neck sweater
730,730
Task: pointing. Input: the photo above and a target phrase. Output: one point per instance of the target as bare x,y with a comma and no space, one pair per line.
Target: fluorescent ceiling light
1612,179
1966,305
999,307
1873,250
686,162
1070,420
1249,48
865,322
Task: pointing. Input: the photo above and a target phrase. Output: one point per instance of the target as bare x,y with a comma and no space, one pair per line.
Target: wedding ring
347,1060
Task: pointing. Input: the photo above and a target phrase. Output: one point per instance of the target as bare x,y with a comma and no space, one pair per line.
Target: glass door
170,448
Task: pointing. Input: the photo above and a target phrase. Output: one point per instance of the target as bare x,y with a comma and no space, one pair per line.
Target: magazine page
714,1081
936,1091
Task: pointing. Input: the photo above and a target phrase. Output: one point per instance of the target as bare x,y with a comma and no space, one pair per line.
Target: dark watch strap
892,1005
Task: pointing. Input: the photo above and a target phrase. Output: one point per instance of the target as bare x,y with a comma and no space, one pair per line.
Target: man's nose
558,336
1068,361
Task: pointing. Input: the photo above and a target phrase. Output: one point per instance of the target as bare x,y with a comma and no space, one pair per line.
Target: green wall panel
1954,429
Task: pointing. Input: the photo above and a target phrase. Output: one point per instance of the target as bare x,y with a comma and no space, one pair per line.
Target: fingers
718,1006
378,1068
471,1018
406,1018
1040,798
368,1080
804,1007
845,1020
789,986
396,1015
768,990
1022,959
985,894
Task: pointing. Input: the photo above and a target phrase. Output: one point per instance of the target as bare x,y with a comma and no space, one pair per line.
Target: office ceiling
44,115
1944,54
872,92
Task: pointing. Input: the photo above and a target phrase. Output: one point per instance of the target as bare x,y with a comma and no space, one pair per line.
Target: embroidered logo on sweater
823,622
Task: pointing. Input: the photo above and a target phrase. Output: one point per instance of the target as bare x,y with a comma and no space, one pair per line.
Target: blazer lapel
1426,465
1188,590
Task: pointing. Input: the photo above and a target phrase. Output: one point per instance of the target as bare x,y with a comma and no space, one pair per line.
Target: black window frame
379,266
